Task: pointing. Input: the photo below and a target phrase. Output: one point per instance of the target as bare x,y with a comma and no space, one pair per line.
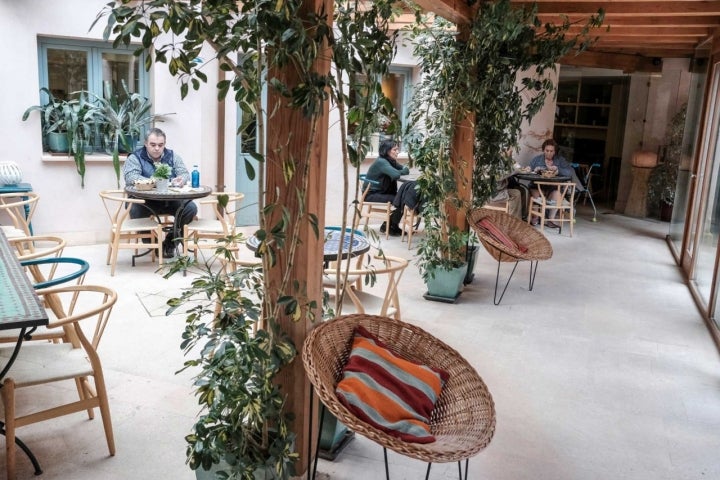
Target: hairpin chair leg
497,300
533,272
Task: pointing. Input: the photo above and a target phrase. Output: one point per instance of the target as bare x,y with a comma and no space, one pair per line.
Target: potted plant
125,115
490,81
281,297
69,125
663,179
243,426
162,175
54,118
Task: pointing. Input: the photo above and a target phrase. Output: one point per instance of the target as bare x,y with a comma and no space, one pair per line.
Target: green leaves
479,75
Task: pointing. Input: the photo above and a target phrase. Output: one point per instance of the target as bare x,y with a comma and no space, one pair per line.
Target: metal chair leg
497,300
387,470
427,473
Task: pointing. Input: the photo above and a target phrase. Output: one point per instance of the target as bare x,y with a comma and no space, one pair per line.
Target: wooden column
462,155
289,133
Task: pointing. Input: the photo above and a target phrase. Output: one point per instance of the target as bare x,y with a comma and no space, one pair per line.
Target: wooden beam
626,63
457,11
631,9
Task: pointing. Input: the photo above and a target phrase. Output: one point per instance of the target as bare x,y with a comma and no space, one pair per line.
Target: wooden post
289,133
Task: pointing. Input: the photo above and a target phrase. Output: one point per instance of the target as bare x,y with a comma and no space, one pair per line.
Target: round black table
183,194
331,246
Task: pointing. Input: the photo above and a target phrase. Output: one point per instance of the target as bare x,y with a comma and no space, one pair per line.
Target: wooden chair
373,210
463,419
382,278
203,234
126,232
40,363
533,246
19,208
565,208
408,224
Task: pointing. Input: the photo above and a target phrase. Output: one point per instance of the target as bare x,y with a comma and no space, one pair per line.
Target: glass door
707,199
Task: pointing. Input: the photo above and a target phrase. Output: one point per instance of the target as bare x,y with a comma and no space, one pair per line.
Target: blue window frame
68,65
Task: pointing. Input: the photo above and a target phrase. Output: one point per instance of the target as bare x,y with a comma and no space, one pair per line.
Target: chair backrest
19,208
226,213
83,302
117,205
37,246
380,281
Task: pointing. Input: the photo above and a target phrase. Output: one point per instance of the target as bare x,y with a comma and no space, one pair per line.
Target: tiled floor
604,371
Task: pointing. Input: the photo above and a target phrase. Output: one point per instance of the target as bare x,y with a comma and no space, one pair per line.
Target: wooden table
20,308
184,195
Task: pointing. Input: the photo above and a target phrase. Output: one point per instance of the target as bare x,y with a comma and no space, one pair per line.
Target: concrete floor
605,371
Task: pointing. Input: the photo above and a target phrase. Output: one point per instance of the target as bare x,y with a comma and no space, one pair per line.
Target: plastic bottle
195,175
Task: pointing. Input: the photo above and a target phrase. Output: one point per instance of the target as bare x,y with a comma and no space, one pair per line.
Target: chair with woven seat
508,239
462,420
382,277
373,210
542,205
409,224
205,233
41,363
129,233
19,208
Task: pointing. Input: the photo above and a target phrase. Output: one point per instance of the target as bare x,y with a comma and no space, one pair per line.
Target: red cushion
501,237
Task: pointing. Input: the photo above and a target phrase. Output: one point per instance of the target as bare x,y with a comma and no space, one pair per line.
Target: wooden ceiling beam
457,11
647,31
707,21
634,9
626,62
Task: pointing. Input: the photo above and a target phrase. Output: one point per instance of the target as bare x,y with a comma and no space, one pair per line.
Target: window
67,66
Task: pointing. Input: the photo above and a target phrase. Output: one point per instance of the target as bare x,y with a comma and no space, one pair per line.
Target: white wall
66,209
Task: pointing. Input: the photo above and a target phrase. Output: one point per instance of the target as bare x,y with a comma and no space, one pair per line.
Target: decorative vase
10,173
161,184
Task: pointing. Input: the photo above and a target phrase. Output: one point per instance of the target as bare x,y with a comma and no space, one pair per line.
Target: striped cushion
495,232
395,395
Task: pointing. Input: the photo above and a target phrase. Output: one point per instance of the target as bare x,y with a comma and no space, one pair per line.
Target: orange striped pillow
393,394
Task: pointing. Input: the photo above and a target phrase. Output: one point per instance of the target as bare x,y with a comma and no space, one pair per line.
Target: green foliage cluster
162,170
496,74
83,116
281,48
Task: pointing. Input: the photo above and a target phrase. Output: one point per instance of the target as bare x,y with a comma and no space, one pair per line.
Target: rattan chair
564,209
538,247
463,420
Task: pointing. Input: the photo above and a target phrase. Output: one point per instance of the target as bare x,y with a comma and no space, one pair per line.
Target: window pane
67,71
118,68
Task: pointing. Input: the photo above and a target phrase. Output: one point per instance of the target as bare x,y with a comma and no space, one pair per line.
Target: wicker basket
144,186
463,420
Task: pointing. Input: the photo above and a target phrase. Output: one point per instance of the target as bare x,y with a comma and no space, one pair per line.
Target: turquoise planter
57,142
446,285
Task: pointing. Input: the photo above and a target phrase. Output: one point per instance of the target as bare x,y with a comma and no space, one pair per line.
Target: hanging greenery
496,74
244,421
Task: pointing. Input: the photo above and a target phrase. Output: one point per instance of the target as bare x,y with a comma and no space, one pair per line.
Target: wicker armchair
537,246
463,420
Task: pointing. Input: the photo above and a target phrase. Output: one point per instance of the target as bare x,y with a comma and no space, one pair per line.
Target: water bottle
195,177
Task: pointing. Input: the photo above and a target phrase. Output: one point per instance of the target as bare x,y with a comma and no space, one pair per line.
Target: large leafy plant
663,179
256,44
488,80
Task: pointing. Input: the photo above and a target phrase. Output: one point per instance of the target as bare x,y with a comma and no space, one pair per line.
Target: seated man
550,160
140,165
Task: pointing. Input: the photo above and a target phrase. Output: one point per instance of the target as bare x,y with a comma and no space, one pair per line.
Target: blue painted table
19,188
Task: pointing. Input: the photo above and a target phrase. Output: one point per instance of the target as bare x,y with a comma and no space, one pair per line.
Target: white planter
10,173
161,184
